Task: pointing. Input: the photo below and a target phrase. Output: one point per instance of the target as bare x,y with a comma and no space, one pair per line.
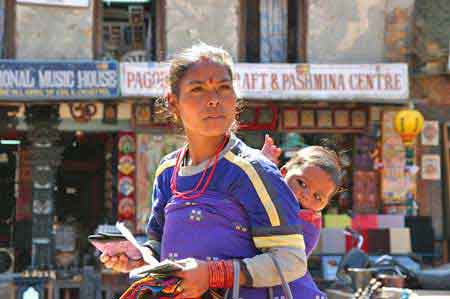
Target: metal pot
360,277
392,280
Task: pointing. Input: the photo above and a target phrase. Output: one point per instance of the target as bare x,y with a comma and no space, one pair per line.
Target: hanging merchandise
364,146
430,133
408,124
126,144
431,167
127,208
126,179
110,113
108,184
365,192
365,180
126,185
151,148
397,185
126,165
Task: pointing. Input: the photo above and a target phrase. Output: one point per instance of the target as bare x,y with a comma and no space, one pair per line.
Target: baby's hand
270,150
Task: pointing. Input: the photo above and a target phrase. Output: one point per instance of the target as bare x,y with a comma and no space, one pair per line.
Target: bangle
220,274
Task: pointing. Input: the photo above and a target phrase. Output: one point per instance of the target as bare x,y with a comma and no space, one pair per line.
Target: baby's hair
322,157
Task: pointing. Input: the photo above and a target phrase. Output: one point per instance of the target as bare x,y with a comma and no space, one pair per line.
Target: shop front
54,155
349,108
352,110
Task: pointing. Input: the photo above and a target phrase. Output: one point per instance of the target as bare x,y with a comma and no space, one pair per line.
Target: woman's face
311,185
206,103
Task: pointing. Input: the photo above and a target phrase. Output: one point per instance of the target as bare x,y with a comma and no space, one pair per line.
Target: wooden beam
10,29
446,164
242,28
97,34
302,30
161,36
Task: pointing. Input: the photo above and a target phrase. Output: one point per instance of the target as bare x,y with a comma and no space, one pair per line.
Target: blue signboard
58,80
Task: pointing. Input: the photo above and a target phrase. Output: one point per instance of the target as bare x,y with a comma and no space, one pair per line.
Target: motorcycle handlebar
355,236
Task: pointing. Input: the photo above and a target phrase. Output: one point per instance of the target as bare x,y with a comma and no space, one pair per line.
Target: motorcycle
356,269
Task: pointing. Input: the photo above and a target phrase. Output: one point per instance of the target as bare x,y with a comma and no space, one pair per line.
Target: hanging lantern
408,124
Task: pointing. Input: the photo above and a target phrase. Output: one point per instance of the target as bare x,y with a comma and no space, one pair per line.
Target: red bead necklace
188,195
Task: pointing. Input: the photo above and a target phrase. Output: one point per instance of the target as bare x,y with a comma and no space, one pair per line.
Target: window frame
158,30
297,40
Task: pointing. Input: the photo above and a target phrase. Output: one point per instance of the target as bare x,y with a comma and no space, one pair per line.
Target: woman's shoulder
245,156
167,162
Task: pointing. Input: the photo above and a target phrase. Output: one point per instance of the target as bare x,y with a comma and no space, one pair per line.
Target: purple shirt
247,207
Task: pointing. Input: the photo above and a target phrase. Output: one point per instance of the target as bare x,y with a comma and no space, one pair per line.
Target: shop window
150,115
324,119
258,117
273,30
129,30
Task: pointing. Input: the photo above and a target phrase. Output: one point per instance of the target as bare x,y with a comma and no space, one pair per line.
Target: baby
314,175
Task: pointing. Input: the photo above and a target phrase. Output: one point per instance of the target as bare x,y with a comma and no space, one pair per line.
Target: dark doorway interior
7,194
80,195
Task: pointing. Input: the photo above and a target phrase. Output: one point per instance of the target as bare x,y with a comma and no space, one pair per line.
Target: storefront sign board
73,3
361,82
59,80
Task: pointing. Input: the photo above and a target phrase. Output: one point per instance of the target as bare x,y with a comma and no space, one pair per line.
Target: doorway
80,195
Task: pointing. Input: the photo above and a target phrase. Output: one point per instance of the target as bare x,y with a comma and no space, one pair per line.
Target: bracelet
221,274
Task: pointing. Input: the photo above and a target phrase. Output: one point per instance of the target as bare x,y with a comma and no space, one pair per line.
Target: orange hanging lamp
408,124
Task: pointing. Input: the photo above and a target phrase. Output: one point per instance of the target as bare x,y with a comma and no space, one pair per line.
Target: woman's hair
181,63
322,157
186,58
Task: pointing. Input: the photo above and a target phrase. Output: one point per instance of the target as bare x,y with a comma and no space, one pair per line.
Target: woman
216,199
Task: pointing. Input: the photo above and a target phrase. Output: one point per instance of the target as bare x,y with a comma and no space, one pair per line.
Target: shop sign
372,82
74,3
32,80
144,79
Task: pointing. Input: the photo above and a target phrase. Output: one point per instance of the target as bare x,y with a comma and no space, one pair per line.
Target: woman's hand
270,150
121,263
195,281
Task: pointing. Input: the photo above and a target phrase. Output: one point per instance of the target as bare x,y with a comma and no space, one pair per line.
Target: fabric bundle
153,287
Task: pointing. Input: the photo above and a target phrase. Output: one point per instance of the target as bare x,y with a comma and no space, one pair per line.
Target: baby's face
311,185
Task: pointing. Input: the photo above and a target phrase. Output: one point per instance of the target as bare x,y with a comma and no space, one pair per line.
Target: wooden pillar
43,137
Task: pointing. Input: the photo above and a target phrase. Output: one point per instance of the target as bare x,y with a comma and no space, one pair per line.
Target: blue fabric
227,219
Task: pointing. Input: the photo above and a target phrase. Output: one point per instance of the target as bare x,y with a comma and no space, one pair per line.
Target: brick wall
399,30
